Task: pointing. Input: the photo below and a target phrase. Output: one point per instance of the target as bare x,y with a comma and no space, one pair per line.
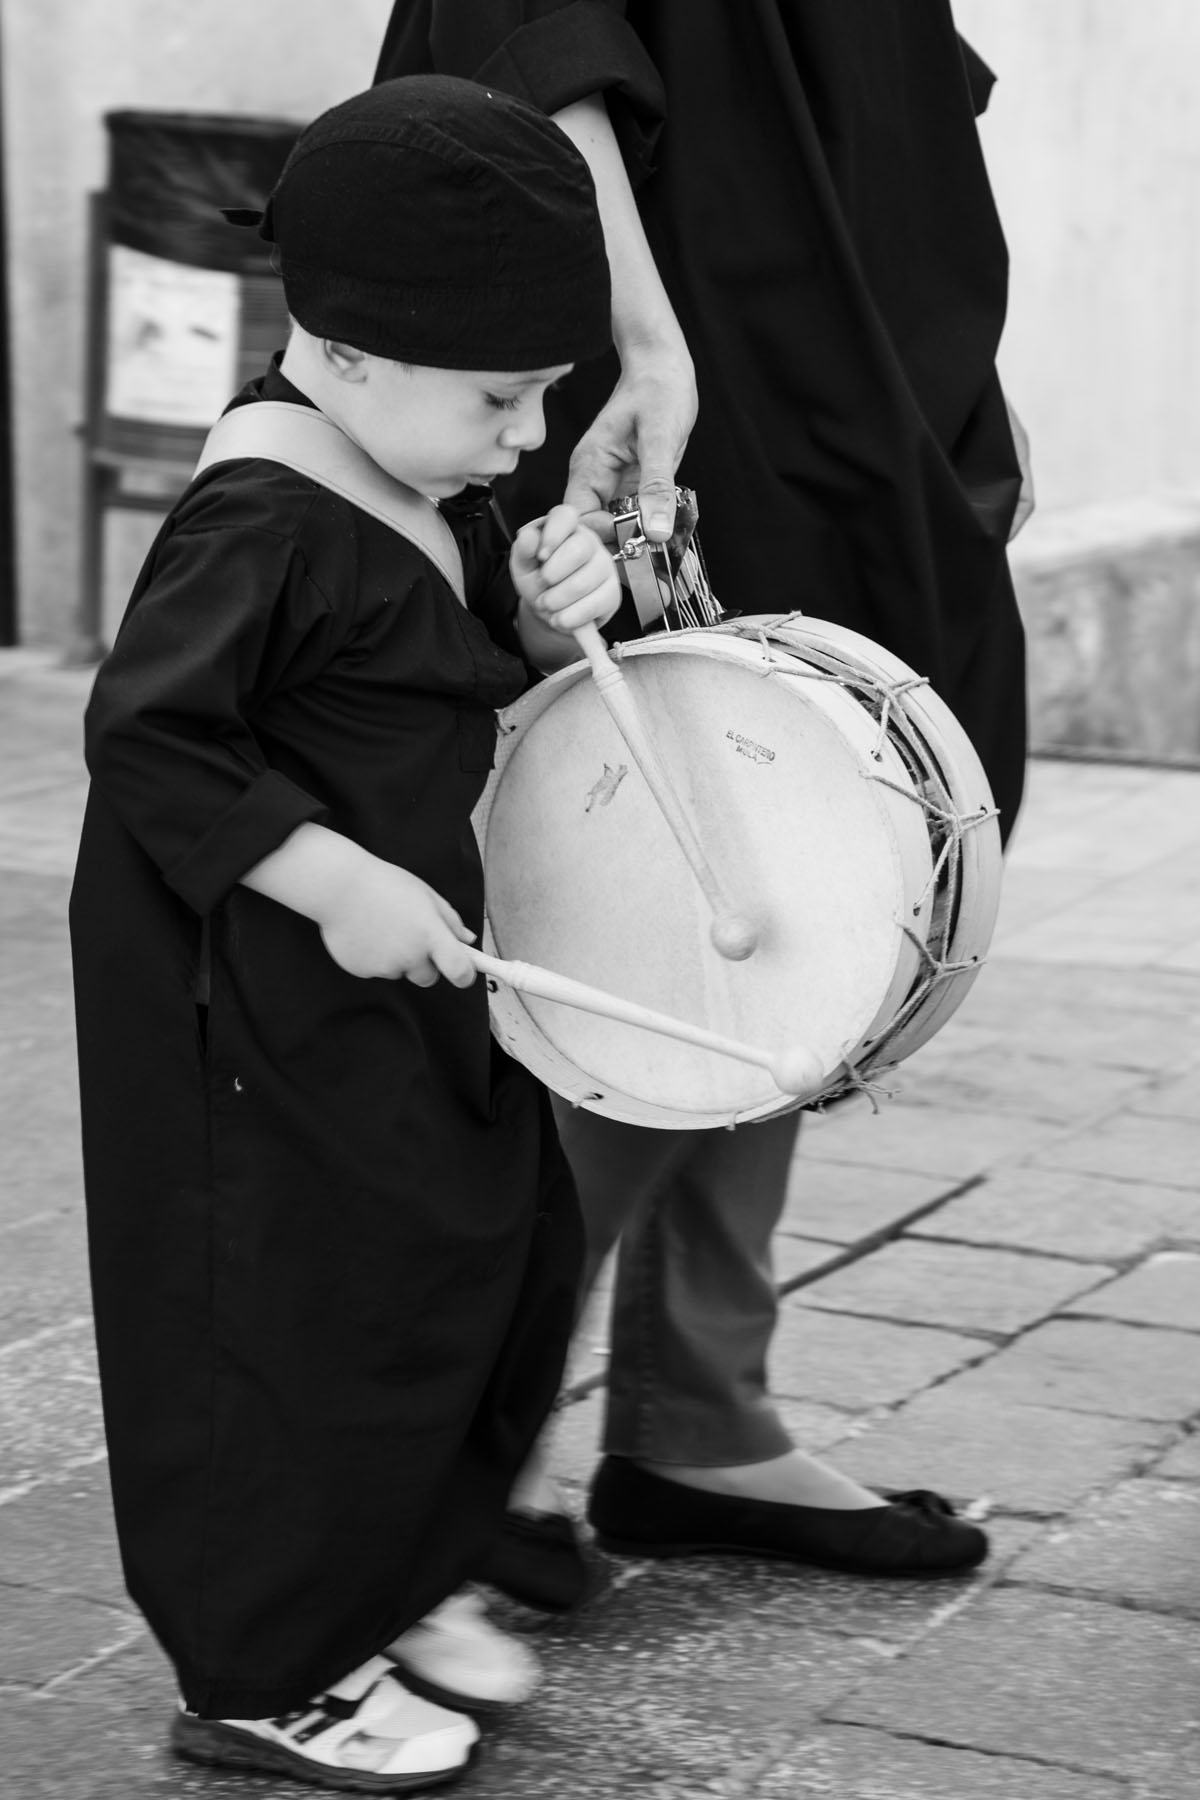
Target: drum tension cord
935,968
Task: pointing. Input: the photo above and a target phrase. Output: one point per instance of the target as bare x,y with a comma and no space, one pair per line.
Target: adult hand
1026,500
636,442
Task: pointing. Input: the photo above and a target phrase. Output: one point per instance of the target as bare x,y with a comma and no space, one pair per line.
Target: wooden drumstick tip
734,937
797,1071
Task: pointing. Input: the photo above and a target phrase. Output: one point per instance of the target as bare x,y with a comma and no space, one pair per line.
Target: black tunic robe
333,1242
812,185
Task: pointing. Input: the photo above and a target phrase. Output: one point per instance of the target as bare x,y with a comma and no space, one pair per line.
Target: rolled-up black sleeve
547,52
266,813
222,618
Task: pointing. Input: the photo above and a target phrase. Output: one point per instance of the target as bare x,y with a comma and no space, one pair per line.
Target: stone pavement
992,1287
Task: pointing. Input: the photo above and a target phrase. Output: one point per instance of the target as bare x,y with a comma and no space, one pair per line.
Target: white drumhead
583,877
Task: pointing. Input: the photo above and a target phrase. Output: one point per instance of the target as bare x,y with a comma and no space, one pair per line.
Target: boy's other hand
389,923
562,572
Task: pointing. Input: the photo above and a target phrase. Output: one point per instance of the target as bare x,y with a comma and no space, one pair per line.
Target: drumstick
733,935
794,1071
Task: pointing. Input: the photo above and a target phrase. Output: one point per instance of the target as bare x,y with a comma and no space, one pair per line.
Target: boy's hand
375,919
563,574
392,924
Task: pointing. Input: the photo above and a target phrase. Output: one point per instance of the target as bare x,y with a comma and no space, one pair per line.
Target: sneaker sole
456,1701
211,1741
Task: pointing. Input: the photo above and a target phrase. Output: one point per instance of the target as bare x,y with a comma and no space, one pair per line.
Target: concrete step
1110,596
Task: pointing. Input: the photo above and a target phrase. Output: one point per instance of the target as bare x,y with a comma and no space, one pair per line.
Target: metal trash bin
183,309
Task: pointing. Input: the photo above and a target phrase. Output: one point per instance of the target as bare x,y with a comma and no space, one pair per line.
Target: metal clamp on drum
668,582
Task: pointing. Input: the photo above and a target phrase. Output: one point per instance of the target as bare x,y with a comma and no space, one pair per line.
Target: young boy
334,1245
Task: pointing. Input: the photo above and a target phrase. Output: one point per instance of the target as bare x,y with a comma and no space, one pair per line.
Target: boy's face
440,429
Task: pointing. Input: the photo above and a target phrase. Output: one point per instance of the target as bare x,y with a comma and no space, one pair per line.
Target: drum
848,818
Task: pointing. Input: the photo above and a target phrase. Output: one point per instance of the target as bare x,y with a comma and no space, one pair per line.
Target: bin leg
87,644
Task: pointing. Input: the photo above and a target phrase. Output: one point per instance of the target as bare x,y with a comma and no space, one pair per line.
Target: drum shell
949,763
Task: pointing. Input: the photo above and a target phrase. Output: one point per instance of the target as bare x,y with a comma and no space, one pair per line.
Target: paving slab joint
66,1471
1187,1432
888,1652
842,1257
997,1755
1119,1602
135,1630
874,1240
1067,1311
992,1339
1114,1262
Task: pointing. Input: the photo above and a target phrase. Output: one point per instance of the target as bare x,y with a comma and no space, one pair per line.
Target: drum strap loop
306,440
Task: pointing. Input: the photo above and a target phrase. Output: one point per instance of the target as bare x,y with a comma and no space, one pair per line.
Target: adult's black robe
812,185
333,1242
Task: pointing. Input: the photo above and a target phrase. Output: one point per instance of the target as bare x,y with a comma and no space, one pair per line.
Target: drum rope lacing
946,873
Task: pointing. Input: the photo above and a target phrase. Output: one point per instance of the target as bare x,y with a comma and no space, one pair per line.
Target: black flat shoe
538,1559
638,1514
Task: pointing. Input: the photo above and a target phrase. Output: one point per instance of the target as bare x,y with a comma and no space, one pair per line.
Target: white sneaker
367,1734
457,1656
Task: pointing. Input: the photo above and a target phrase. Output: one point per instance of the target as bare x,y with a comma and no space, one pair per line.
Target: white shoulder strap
303,439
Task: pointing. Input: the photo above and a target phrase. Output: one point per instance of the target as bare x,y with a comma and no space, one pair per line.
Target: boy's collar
471,503
276,386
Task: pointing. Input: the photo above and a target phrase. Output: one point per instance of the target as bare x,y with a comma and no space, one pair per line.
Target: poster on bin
172,340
